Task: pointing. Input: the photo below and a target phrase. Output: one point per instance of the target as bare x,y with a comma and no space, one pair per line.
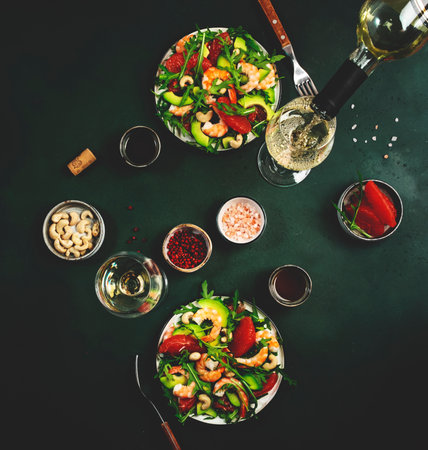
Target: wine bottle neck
351,74
364,59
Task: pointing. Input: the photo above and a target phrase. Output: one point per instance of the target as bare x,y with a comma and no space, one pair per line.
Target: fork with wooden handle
302,81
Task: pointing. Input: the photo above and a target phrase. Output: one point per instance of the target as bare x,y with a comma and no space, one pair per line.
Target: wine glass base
275,174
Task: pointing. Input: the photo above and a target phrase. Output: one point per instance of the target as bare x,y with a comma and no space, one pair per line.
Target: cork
81,162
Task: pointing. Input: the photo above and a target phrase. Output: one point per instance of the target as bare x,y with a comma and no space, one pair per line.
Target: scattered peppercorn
186,249
135,229
130,207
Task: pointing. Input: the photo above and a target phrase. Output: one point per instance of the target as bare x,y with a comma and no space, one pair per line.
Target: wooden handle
170,435
275,22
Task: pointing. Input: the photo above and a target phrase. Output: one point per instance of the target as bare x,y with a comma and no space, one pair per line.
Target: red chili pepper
185,404
179,342
244,337
238,123
267,386
232,94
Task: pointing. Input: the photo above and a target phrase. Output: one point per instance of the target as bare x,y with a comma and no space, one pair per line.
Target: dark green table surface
79,77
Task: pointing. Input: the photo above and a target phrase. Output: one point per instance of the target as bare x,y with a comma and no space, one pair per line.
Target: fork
302,81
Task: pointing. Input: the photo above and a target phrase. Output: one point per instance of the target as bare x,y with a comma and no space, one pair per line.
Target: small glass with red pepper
370,210
187,248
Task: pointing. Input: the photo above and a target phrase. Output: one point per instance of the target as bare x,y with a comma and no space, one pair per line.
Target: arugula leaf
205,293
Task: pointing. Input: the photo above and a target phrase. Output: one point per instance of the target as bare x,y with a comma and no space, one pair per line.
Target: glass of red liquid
140,146
290,285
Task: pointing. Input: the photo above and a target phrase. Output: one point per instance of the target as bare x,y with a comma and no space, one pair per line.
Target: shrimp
212,315
267,334
269,80
208,375
179,47
252,73
180,111
184,391
243,397
257,360
168,332
210,75
178,369
215,130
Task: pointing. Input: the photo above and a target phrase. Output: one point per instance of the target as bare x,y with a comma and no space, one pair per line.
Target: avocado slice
176,379
176,99
222,62
253,382
270,94
191,328
217,306
225,141
263,73
205,51
233,398
251,100
198,134
209,411
240,43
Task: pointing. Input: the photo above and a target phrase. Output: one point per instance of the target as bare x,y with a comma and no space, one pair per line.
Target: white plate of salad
219,98
220,360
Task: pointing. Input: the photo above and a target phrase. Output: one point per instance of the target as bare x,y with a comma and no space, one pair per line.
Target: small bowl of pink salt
241,220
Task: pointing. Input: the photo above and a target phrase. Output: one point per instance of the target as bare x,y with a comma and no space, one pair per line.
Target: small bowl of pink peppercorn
241,220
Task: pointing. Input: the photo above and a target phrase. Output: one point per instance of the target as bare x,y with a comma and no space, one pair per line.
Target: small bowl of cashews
73,230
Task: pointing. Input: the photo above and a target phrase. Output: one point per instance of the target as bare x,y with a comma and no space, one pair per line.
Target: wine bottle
387,30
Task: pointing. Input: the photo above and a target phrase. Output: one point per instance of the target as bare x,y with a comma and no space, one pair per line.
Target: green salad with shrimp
220,359
217,88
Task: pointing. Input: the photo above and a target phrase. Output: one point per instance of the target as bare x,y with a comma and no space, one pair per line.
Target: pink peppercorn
186,249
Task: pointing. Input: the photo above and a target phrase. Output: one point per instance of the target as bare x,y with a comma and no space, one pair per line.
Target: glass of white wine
297,139
130,285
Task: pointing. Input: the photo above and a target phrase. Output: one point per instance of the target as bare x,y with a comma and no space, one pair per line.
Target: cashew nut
80,227
60,226
222,90
187,79
76,239
272,364
58,247
229,374
236,51
66,243
237,142
204,401
85,214
90,245
68,232
223,339
74,218
96,229
84,246
52,232
204,117
88,232
195,356
72,251
185,318
58,216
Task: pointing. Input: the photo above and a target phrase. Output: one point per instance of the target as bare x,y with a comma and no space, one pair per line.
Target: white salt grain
394,138
396,119
355,139
354,126
373,138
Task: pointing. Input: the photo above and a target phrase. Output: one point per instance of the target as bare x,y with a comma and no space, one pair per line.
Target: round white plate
188,138
261,402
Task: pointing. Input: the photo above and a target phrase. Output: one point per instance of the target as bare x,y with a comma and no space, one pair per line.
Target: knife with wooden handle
275,22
